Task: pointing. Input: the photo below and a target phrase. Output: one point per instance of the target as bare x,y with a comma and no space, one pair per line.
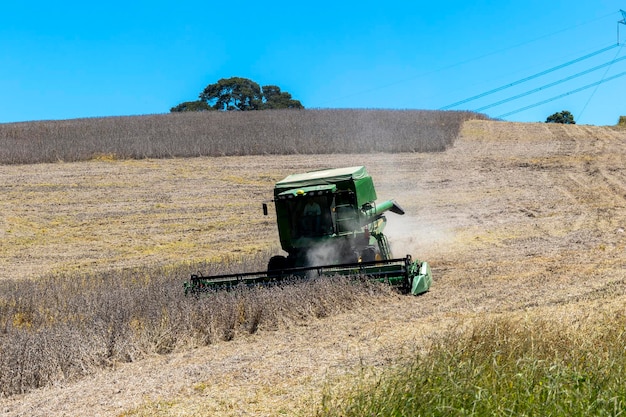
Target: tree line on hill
240,94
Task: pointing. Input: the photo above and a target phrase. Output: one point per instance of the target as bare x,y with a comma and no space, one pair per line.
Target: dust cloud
407,235
322,255
416,236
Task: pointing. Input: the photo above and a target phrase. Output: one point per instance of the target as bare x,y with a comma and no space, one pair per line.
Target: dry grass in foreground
61,328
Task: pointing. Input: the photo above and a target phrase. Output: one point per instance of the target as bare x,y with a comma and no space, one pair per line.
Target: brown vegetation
63,327
190,134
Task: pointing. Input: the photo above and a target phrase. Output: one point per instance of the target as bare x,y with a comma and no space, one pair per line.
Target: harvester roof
354,178
324,176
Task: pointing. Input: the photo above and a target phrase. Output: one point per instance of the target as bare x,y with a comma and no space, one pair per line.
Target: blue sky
65,60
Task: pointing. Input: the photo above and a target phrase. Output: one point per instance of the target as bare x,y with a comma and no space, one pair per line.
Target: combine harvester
330,224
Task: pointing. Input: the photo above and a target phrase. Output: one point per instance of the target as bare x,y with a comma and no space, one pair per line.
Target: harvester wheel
276,264
368,254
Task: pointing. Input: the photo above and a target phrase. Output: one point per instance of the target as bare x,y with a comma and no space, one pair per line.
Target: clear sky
70,59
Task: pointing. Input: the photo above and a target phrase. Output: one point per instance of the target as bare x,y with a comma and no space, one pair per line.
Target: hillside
516,219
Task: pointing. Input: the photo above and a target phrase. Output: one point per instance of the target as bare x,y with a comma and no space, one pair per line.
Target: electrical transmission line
562,95
495,90
603,75
543,87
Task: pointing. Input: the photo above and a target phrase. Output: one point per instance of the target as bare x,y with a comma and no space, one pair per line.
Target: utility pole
623,22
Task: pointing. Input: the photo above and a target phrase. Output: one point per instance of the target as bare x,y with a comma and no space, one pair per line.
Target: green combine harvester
329,224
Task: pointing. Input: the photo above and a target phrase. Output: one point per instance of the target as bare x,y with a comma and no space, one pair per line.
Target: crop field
276,132
523,224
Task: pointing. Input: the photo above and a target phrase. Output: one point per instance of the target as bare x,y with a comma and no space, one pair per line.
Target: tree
197,105
273,98
233,94
241,94
564,117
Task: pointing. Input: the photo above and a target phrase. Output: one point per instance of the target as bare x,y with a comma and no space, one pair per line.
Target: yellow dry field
516,219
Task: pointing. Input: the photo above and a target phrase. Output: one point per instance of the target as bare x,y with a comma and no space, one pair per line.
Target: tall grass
231,133
504,367
63,327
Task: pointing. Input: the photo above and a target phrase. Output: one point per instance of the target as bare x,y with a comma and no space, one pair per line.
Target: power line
539,74
603,75
562,95
552,84
457,64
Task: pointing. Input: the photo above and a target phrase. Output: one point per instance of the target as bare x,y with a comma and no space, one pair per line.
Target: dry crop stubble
102,215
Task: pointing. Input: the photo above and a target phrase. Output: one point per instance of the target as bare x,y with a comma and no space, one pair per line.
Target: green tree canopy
242,94
233,94
564,117
273,98
197,105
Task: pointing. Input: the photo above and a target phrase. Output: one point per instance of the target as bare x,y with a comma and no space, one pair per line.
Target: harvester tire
276,264
368,254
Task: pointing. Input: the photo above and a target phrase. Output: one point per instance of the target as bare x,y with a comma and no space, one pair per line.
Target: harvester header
329,223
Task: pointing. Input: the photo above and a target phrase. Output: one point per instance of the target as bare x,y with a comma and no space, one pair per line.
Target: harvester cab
329,223
330,217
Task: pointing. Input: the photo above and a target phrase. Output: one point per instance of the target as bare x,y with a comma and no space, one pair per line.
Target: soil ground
515,219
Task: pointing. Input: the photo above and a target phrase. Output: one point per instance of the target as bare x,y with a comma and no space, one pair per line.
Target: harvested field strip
148,214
